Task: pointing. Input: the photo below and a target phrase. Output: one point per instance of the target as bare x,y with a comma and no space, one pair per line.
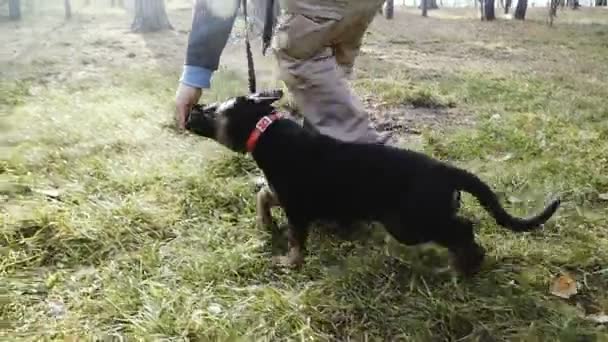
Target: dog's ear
210,108
266,97
207,110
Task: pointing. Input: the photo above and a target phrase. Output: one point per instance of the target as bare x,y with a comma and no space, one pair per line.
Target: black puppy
316,178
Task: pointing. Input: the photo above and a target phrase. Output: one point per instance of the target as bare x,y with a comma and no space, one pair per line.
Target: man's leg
310,71
347,43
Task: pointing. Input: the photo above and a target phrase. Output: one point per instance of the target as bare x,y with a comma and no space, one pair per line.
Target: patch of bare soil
405,120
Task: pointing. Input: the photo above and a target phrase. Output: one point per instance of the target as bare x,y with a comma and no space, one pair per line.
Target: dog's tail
470,183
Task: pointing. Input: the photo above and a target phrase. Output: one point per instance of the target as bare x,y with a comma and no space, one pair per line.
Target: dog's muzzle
200,110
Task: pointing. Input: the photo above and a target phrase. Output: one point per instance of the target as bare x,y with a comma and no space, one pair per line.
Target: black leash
250,66
269,23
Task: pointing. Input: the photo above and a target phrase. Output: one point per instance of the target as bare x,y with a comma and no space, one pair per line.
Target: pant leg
347,42
309,69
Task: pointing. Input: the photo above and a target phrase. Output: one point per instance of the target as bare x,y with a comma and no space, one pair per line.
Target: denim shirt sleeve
206,42
196,77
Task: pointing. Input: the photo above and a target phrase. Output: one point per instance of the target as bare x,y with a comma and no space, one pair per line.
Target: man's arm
212,22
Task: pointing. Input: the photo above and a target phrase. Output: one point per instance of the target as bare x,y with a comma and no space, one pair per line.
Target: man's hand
185,97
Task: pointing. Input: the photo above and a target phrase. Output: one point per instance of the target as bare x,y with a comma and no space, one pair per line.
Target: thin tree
574,4
520,10
424,4
430,4
488,10
553,11
150,16
389,9
14,9
508,4
68,9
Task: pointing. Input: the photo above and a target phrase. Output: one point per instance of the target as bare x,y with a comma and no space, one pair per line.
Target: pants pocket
303,37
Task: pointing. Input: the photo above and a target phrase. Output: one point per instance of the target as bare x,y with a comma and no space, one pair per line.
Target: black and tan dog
316,178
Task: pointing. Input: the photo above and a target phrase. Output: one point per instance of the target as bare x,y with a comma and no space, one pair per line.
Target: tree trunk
508,4
389,9
574,4
424,5
520,10
150,16
14,9
68,9
430,4
488,10
601,3
553,11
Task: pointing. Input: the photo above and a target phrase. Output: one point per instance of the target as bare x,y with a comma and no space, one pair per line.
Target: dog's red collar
260,127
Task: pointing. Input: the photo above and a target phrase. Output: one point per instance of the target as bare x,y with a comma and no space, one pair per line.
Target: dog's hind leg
458,236
266,200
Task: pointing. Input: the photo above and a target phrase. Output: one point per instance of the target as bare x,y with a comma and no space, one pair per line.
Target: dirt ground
98,39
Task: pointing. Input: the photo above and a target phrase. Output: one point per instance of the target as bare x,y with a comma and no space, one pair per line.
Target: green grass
404,93
151,234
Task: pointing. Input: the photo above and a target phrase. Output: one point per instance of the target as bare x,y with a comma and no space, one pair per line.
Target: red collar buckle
260,127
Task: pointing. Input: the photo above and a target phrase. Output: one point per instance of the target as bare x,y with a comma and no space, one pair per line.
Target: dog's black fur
315,177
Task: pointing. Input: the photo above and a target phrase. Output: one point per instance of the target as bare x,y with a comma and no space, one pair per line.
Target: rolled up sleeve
206,41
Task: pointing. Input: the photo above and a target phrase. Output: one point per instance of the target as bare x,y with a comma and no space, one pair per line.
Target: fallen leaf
506,157
598,318
214,309
52,193
603,196
56,308
503,158
563,286
514,200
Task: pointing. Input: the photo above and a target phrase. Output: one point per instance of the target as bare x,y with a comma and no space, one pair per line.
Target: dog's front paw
469,262
287,261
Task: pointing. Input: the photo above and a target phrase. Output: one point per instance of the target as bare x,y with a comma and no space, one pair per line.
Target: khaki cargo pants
316,44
